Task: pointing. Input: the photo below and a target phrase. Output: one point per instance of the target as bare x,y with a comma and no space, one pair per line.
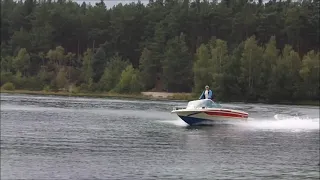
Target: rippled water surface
49,137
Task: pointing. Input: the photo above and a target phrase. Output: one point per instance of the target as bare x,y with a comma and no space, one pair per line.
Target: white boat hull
209,116
207,111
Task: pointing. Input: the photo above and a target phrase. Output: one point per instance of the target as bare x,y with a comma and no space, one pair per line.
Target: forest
244,50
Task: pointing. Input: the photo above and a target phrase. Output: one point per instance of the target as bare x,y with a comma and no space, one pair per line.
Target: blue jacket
210,95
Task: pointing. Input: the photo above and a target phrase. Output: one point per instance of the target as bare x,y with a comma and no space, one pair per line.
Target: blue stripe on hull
194,121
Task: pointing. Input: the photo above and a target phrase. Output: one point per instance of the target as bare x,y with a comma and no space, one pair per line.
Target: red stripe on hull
227,114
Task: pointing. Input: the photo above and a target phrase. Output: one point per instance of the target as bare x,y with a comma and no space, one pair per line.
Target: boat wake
176,122
278,122
284,122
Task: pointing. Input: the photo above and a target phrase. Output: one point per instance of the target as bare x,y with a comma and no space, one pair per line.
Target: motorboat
206,111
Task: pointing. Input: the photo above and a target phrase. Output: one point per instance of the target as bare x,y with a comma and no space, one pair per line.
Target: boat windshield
204,103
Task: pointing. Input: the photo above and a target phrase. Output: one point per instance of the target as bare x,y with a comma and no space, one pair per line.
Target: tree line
243,49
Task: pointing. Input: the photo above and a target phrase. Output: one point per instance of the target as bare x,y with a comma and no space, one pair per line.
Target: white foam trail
176,122
280,122
284,122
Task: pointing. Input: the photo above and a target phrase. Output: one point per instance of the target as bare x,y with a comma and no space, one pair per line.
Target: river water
50,137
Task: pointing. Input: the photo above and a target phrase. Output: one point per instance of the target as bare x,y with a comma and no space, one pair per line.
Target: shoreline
141,96
159,96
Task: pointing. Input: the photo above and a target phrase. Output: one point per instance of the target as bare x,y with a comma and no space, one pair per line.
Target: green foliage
285,77
270,58
56,56
177,64
6,77
22,61
202,68
18,80
242,50
221,63
46,88
251,61
129,81
61,79
148,69
6,64
310,74
98,63
8,86
87,71
112,73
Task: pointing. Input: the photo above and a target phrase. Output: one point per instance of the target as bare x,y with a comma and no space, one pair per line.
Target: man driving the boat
207,93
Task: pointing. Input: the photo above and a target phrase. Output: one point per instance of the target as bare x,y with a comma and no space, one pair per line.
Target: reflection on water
82,138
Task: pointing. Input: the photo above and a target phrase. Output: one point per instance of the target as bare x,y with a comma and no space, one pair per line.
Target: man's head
207,87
